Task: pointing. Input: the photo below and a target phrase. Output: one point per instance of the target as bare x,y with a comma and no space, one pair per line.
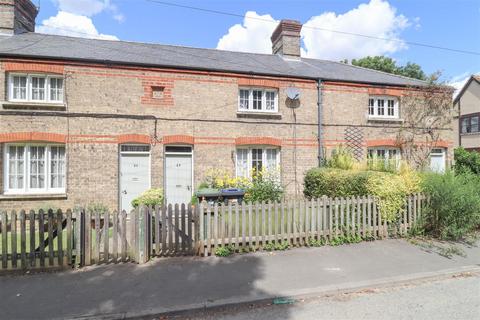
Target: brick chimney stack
286,39
17,16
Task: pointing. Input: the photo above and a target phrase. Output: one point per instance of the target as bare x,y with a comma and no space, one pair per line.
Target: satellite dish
293,93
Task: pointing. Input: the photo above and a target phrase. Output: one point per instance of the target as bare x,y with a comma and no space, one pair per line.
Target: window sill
259,115
469,134
380,119
19,105
42,196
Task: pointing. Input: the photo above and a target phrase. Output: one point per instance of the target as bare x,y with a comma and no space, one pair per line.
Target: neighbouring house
93,121
467,105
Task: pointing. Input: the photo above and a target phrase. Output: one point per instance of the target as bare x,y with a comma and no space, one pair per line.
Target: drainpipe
319,104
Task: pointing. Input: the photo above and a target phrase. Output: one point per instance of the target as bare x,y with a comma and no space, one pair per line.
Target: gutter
320,129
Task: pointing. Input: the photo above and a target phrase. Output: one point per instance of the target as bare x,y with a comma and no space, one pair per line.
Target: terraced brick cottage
87,121
467,105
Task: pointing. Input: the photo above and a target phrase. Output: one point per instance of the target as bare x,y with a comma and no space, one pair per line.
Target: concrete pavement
170,284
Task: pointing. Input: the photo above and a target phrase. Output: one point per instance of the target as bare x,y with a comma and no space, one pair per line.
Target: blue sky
453,24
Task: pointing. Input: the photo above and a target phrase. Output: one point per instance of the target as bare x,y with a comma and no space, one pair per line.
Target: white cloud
251,36
83,7
69,24
416,21
377,18
459,81
119,17
74,18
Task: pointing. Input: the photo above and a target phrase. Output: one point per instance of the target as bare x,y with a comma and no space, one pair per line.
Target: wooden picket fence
32,240
297,223
36,240
41,240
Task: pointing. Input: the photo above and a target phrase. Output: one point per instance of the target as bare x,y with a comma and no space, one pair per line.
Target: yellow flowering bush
264,186
221,179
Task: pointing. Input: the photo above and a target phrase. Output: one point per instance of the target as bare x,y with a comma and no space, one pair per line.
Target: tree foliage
386,64
426,113
466,162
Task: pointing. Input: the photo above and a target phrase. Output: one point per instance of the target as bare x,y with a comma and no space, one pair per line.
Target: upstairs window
371,106
383,107
470,124
257,100
35,88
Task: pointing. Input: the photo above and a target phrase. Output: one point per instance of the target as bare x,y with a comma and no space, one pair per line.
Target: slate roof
36,45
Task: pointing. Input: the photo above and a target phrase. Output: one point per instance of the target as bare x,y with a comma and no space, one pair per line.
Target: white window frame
375,115
250,158
387,150
26,170
264,100
11,87
28,96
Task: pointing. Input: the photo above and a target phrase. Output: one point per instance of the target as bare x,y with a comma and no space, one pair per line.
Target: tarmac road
454,297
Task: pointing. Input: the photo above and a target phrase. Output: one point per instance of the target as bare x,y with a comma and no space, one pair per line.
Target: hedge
391,189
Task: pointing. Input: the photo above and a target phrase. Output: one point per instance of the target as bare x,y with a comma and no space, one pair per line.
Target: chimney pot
17,16
286,39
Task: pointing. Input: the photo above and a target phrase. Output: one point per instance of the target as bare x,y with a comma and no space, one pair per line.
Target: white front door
178,178
437,160
134,176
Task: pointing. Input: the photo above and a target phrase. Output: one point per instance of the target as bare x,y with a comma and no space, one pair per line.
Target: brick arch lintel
33,136
395,143
34,67
258,141
134,138
382,143
443,144
178,138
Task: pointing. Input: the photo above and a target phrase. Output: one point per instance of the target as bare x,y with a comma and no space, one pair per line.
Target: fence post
143,235
199,221
81,236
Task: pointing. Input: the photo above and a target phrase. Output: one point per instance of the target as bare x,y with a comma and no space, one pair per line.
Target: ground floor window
255,159
383,156
34,168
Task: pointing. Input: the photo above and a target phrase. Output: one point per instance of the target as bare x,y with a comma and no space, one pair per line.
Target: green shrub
454,207
264,188
150,197
390,188
339,240
312,242
334,183
279,246
382,165
341,158
225,251
466,162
